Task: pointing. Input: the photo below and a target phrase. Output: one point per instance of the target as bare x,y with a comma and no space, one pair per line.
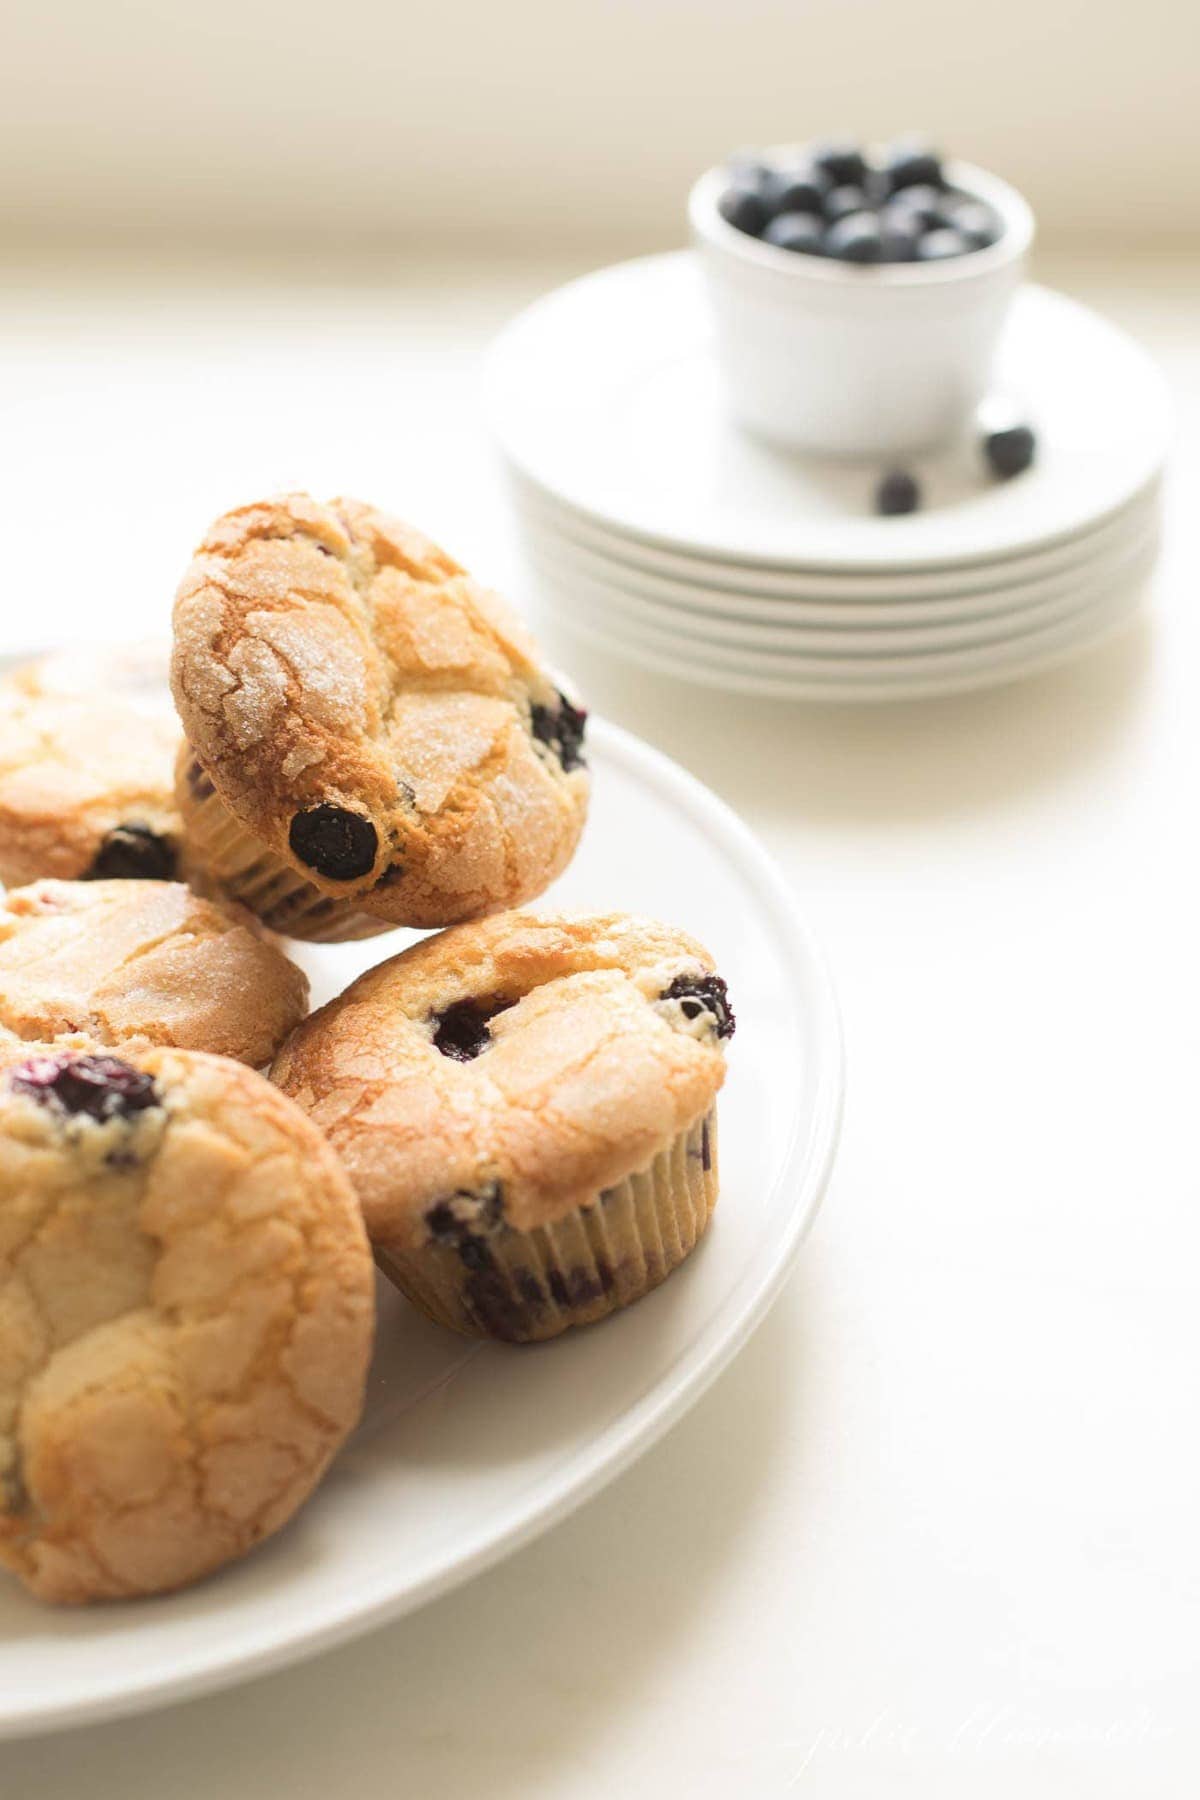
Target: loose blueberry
841,201
563,729
910,163
461,1031
1010,452
975,221
796,231
941,244
856,238
132,853
842,163
334,842
98,1087
796,192
744,208
897,493
703,993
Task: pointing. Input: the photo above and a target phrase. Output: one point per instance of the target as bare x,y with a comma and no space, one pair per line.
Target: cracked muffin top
186,1313
143,962
372,715
87,770
526,1061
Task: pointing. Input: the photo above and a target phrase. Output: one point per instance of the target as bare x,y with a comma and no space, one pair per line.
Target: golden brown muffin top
517,1066
186,1312
372,714
143,962
87,773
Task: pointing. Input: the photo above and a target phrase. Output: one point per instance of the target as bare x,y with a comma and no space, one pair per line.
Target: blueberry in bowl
858,291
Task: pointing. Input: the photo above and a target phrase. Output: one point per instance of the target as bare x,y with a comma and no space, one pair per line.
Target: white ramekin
853,359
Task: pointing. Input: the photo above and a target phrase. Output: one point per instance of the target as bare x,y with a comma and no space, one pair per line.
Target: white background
554,121
934,1534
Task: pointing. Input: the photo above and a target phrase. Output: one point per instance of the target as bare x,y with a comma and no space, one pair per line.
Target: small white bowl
854,359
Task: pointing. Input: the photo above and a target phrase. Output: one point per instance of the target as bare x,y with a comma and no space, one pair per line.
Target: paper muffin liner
526,1285
243,867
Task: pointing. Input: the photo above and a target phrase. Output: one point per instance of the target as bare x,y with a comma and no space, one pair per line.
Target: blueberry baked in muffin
143,962
186,1316
526,1106
87,771
372,738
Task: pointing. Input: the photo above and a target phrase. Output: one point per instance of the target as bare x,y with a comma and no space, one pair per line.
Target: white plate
832,596
468,1451
868,681
1092,596
605,394
1009,613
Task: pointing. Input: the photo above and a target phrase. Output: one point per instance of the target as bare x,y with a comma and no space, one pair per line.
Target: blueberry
1011,451
911,163
856,238
975,221
840,201
563,729
898,240
795,231
466,1217
924,205
98,1087
744,208
132,853
334,842
897,493
746,168
796,191
940,244
843,163
703,993
461,1031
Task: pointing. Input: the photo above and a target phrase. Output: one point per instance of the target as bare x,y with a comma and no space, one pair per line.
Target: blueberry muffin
87,758
143,962
374,741
186,1313
526,1107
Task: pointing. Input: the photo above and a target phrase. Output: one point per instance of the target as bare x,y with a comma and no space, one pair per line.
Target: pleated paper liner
248,871
526,1285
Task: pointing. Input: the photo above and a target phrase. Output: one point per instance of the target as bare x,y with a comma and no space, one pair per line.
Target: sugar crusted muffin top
520,1064
143,962
186,1313
86,775
373,714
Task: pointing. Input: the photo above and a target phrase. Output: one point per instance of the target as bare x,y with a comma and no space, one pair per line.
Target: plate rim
802,641
849,691
673,263
806,1166
714,587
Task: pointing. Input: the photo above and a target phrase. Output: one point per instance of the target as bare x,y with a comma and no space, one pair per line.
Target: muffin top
143,962
373,715
186,1312
87,779
511,1069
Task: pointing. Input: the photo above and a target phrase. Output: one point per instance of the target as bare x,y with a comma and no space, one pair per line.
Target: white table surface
935,1532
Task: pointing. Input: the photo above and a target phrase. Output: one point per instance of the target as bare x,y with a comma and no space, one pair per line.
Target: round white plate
866,681
832,595
1007,615
605,394
467,1451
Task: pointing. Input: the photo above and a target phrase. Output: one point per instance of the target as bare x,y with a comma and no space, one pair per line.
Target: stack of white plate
650,523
